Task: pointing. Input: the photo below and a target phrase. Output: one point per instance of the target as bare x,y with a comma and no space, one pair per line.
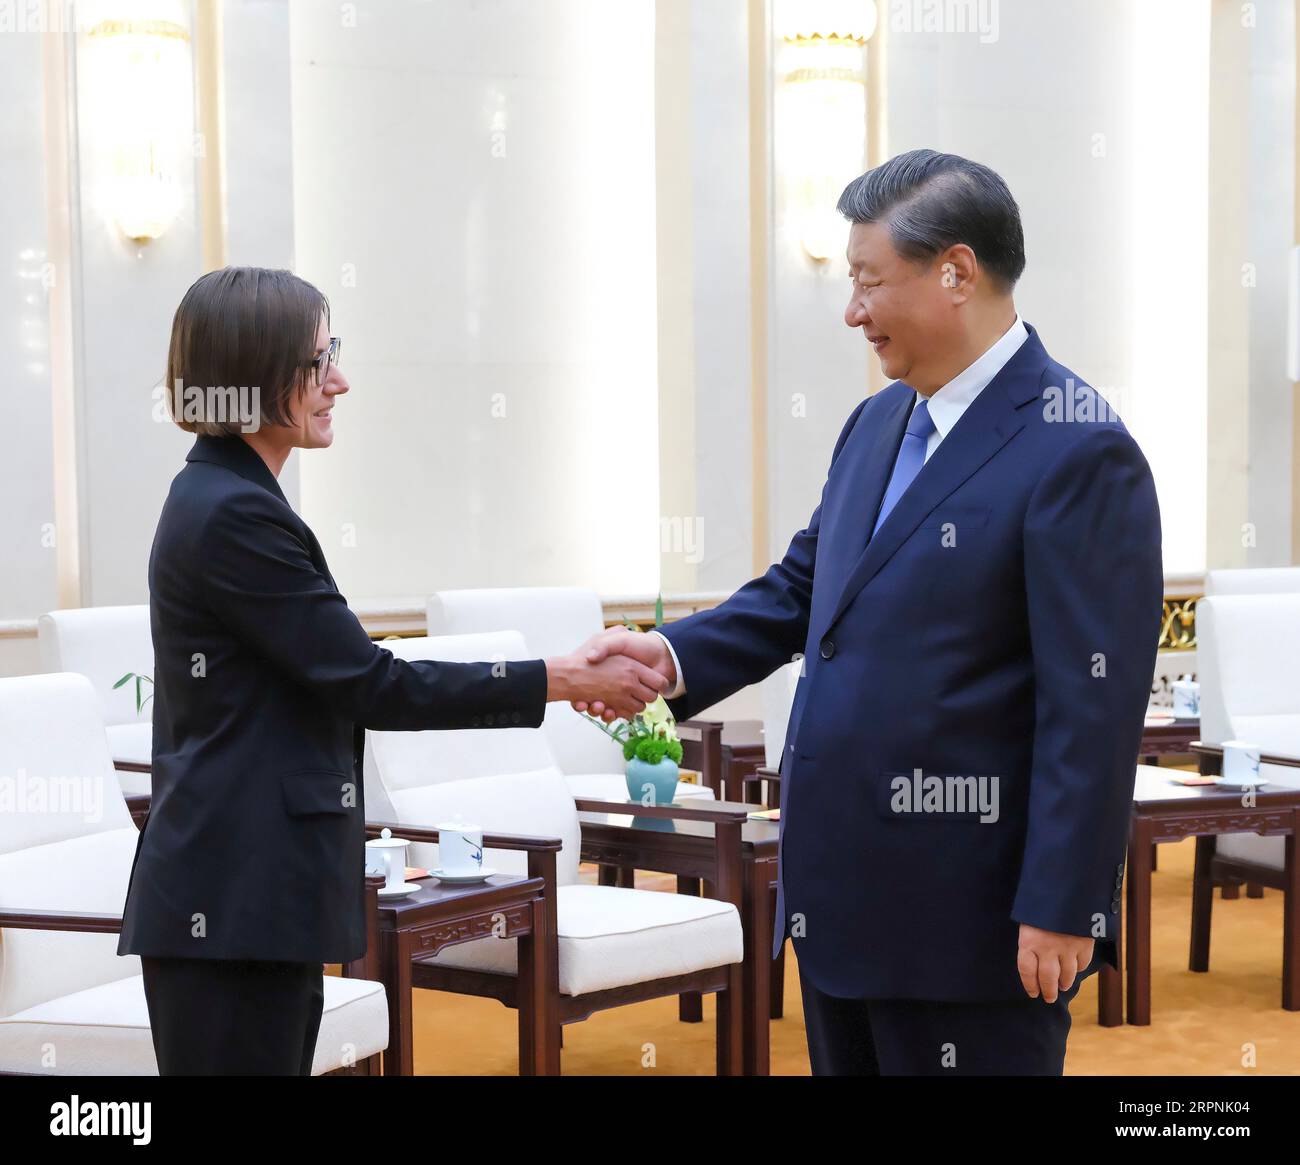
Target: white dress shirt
946,408
955,397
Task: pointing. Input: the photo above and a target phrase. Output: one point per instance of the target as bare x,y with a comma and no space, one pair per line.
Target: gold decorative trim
841,39
1178,624
801,76
163,28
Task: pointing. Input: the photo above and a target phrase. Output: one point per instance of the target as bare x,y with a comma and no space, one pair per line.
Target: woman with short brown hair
249,869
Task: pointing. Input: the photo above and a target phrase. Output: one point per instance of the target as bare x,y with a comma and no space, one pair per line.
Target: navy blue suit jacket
1002,624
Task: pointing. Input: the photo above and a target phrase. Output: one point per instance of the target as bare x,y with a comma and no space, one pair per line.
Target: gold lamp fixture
821,111
137,69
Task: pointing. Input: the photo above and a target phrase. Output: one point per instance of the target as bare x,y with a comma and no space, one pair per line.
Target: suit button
474,722
515,718
828,649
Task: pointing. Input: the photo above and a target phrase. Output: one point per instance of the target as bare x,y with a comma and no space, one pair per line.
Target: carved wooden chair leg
690,1004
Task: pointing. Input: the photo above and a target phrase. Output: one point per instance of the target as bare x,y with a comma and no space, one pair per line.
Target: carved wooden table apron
685,848
1163,811
440,915
1168,739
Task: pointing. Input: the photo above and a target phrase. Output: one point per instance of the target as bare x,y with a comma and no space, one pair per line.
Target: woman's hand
622,685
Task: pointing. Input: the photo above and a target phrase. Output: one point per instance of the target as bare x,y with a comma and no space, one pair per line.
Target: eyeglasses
330,356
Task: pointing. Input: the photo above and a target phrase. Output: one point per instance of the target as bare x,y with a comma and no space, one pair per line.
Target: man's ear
958,270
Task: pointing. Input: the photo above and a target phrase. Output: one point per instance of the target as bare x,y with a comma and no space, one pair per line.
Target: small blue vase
661,779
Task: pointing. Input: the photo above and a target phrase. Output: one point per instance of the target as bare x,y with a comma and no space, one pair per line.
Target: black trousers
229,1017
911,1037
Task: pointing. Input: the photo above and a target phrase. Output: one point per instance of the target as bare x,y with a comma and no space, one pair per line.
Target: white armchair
615,945
69,1004
553,621
103,644
1269,580
778,703
1249,643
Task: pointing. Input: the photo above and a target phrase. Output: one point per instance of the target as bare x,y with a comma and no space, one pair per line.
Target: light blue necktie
911,456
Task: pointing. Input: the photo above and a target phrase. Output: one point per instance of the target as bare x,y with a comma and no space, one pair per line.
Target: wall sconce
821,111
136,70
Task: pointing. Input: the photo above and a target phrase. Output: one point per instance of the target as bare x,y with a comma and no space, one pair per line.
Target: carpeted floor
1227,1022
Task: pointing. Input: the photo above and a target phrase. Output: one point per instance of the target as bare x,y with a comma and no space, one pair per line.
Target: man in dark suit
977,603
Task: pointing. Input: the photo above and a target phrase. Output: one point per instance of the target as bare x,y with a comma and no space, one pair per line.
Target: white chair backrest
504,780
1271,580
553,621
66,838
1248,646
102,644
58,778
778,700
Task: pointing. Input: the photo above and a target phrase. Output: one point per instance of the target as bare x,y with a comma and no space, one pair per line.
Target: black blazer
264,682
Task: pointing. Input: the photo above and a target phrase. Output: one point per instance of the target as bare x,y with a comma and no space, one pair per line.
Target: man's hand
1049,962
619,685
613,642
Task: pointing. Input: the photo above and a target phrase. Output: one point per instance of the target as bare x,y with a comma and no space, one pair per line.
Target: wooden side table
1174,739
1164,811
439,915
725,752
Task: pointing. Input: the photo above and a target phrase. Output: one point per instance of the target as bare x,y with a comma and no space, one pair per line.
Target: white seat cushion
131,743
1250,847
104,1031
612,937
135,784
613,787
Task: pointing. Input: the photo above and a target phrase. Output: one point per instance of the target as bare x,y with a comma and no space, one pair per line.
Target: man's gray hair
931,201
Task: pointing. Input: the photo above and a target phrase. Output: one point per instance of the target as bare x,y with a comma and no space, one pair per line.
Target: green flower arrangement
649,736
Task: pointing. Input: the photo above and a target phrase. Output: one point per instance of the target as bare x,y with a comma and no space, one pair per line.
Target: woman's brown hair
241,334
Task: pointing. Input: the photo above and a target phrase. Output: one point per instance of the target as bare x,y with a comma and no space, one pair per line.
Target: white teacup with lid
460,849
386,858
1240,765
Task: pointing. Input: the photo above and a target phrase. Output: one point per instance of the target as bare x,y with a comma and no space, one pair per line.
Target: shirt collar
954,398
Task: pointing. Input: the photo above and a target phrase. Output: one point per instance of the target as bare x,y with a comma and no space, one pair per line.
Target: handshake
614,675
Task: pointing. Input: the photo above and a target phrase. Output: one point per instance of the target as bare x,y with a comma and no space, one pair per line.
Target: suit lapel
988,424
